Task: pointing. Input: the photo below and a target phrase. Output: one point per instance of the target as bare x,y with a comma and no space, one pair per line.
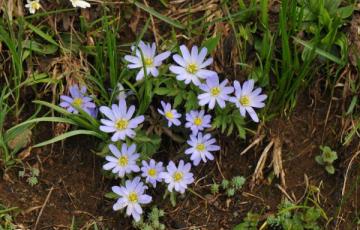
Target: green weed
229,187
327,158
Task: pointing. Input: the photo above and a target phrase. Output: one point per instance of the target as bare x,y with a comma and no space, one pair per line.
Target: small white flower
151,171
33,6
201,146
122,162
197,121
170,114
246,98
179,177
120,121
215,92
192,66
131,196
146,57
80,3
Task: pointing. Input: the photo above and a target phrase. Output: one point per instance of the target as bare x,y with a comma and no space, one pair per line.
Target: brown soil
71,184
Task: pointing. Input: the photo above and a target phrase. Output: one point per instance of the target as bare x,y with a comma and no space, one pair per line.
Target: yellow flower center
121,124
148,62
192,68
178,176
77,102
200,147
244,100
35,5
197,121
152,172
215,91
133,197
123,161
169,115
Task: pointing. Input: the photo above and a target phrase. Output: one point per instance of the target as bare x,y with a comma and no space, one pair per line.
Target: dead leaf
25,153
22,140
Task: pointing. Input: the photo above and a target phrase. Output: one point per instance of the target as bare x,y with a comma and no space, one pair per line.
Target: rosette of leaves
229,187
327,158
152,222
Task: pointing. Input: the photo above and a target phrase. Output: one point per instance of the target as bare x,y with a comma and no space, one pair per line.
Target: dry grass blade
285,193
347,171
43,207
258,173
255,142
277,161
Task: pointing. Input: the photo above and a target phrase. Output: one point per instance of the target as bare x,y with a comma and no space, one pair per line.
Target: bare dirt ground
71,183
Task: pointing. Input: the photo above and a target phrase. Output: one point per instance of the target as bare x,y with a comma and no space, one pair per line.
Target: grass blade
67,135
159,16
42,34
320,52
41,119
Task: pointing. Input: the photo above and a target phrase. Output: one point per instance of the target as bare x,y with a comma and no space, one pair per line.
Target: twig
344,186
219,168
347,172
257,140
43,207
285,193
197,194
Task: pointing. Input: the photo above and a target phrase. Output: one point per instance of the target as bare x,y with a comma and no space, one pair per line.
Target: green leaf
44,49
345,11
324,17
319,160
352,105
21,140
319,51
328,155
178,99
191,101
173,198
52,106
111,195
311,215
42,34
225,184
238,181
146,94
147,144
67,135
163,91
154,13
41,119
330,169
230,192
211,43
